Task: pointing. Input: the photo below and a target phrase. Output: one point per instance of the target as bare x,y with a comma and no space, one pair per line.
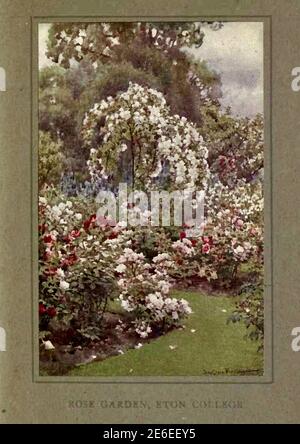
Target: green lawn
214,348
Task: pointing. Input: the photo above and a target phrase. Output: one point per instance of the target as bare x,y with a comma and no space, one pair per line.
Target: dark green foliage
250,310
51,160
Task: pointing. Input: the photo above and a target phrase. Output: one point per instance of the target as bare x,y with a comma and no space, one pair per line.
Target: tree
155,49
235,144
50,160
97,41
61,109
138,135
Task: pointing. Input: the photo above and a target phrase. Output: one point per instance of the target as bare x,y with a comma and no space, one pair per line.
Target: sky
235,51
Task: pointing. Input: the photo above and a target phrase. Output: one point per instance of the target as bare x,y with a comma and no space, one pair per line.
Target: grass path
214,348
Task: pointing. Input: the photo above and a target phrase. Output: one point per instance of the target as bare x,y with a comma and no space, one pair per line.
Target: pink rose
239,223
206,248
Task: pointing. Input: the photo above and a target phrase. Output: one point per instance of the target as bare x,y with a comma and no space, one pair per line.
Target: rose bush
76,277
84,262
232,235
145,291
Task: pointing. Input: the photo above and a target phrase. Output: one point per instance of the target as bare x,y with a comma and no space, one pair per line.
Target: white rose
48,345
42,200
63,285
61,206
60,273
125,304
56,211
120,268
239,250
213,275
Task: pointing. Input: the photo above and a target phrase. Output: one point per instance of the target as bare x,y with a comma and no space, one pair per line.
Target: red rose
182,234
72,258
67,239
50,271
47,256
42,309
87,223
75,233
113,235
205,248
47,239
64,264
222,160
194,242
93,219
51,311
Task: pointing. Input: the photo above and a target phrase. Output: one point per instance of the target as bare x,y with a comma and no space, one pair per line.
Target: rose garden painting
151,208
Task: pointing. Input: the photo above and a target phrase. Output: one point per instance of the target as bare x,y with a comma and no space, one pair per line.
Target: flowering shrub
233,227
136,133
232,236
76,277
236,147
84,262
145,291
